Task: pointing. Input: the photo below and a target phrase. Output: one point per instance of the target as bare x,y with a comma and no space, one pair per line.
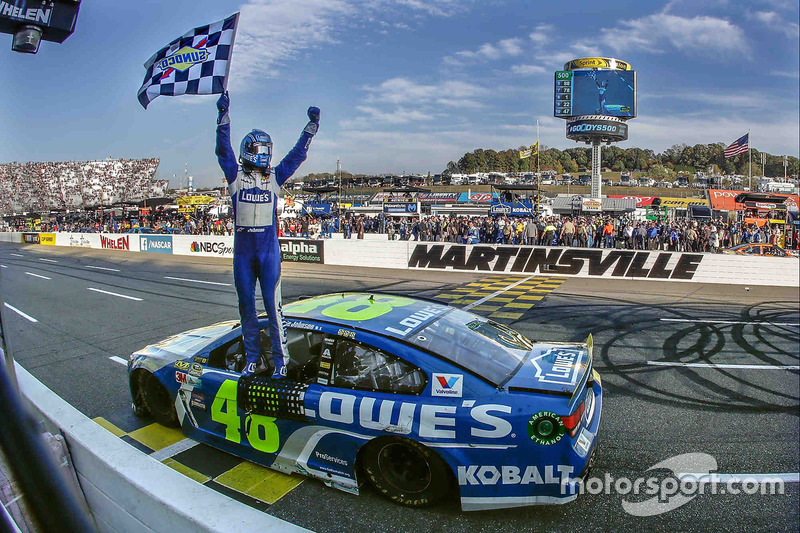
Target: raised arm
298,154
225,155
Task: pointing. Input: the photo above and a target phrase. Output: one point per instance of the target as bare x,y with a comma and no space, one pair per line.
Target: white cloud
658,32
541,34
451,93
488,52
399,116
793,74
527,70
775,22
272,33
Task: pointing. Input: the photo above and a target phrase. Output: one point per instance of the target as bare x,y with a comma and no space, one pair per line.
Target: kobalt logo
298,247
431,421
513,475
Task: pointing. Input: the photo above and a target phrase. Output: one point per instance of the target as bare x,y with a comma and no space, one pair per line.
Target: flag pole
750,160
538,172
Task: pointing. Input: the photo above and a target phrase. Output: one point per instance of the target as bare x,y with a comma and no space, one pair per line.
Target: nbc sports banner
196,63
533,150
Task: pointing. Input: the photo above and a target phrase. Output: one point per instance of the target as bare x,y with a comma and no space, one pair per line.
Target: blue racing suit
256,251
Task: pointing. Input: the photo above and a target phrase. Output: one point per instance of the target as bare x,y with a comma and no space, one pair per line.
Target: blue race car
417,397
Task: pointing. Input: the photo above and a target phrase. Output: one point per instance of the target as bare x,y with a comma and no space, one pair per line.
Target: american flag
739,146
195,63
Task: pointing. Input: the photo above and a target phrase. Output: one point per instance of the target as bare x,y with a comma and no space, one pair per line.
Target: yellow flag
533,150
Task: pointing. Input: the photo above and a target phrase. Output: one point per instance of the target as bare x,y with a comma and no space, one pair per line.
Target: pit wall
377,251
128,491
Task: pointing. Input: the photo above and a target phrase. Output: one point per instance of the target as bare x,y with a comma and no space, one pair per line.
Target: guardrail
128,491
378,251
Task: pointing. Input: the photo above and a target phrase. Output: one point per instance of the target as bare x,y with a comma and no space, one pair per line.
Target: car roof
386,314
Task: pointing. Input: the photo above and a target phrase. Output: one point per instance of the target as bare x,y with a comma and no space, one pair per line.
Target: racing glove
223,103
313,121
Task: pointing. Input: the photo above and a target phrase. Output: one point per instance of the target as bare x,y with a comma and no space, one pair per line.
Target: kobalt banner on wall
159,244
567,261
303,251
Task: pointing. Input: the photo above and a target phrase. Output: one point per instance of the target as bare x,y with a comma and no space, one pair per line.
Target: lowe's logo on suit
161,244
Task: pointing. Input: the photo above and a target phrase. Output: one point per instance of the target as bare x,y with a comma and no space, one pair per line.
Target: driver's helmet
256,149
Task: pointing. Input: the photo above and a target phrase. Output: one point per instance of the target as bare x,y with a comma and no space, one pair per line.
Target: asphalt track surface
744,414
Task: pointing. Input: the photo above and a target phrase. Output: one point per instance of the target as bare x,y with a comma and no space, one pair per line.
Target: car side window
754,250
305,348
359,366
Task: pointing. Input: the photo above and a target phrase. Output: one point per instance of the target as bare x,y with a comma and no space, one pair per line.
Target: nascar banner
196,63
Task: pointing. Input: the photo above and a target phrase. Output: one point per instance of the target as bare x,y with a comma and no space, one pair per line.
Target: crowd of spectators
41,186
681,235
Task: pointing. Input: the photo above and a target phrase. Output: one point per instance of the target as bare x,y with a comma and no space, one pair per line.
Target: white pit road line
48,260
103,268
199,281
119,360
115,294
17,255
3,266
20,313
37,275
722,365
735,322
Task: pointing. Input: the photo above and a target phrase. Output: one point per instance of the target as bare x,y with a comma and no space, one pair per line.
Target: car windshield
489,349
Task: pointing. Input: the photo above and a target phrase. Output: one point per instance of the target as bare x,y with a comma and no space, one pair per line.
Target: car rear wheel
159,402
406,471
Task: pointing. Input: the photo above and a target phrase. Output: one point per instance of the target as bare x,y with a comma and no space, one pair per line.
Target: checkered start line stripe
505,297
249,483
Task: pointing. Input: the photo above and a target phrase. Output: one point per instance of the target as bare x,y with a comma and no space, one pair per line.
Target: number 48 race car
416,397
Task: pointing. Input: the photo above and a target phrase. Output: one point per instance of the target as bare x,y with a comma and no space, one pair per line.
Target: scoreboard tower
596,96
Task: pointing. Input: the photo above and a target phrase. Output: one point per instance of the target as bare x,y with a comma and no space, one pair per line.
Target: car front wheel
159,402
406,471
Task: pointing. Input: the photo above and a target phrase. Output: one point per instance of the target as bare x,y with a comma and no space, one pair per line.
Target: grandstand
40,186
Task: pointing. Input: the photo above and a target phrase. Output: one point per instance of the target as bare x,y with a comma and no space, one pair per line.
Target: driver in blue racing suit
256,252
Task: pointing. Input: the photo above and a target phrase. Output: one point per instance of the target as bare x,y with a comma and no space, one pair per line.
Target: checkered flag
196,63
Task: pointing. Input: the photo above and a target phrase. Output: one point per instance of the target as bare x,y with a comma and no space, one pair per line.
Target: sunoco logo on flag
195,63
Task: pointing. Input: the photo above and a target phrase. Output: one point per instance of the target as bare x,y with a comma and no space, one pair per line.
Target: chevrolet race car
417,397
763,249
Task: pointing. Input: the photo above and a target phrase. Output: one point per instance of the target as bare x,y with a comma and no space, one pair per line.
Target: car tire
159,403
406,471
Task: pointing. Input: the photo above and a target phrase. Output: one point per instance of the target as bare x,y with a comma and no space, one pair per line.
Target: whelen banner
564,261
723,200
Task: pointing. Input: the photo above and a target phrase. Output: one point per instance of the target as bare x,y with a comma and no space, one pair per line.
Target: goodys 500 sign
159,244
569,261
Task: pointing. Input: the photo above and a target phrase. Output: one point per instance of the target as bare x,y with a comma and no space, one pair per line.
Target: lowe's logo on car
558,365
513,475
430,421
161,244
447,385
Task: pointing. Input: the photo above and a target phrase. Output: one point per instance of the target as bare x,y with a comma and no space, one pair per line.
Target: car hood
554,368
187,343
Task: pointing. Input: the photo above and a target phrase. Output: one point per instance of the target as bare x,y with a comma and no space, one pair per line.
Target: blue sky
404,85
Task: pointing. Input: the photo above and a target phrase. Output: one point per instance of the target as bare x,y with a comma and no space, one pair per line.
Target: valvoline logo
447,385
183,58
